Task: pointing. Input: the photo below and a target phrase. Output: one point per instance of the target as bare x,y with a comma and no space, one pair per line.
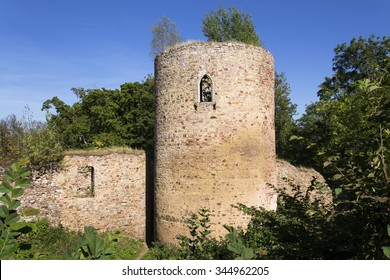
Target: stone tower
215,135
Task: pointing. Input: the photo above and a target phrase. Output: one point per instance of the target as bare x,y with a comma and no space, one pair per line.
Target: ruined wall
290,176
216,153
117,200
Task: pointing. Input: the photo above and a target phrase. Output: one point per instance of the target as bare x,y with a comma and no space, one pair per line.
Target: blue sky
47,47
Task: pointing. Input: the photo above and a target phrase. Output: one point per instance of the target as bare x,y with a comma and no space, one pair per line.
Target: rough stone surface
213,154
290,175
118,200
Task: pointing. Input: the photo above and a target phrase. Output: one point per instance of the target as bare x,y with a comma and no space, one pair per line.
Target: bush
10,226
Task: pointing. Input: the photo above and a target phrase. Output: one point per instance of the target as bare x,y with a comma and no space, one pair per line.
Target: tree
232,25
361,59
30,142
103,118
164,35
284,113
348,133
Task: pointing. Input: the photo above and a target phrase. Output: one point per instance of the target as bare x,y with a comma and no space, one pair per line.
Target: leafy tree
164,35
360,59
284,113
232,25
30,142
104,117
347,132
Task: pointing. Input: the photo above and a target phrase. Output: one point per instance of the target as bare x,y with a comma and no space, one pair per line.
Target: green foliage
232,25
386,249
90,246
164,35
58,243
30,142
46,242
236,244
30,212
360,59
200,246
160,251
345,136
106,118
15,179
296,230
284,113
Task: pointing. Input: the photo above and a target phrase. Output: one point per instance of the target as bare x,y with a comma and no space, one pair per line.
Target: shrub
10,226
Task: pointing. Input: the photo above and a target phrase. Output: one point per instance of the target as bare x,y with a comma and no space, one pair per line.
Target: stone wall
116,201
290,177
216,153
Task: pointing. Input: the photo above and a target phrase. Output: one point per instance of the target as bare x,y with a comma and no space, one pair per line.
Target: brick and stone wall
217,153
117,200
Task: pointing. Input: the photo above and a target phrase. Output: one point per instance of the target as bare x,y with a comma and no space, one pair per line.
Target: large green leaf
9,175
235,248
24,173
17,193
247,254
14,204
15,167
4,188
94,242
5,198
12,218
4,211
24,227
23,182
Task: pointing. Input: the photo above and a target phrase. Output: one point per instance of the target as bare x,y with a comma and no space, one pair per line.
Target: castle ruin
214,147
215,135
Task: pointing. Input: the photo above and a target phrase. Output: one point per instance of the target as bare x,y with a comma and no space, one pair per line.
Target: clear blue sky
49,46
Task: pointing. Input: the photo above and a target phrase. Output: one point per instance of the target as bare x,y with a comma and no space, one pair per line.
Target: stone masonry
117,200
218,152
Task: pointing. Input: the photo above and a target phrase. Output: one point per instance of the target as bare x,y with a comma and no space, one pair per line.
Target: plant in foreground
11,228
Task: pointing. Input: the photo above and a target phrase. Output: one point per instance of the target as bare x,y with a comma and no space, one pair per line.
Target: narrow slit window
206,89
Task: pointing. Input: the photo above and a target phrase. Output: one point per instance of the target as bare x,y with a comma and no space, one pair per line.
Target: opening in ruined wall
88,191
205,89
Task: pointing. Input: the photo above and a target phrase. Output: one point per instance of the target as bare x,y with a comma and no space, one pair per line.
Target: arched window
205,89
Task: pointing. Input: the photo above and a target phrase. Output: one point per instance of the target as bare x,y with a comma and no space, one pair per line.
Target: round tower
215,135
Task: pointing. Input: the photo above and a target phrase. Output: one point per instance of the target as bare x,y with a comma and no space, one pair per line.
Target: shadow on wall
149,199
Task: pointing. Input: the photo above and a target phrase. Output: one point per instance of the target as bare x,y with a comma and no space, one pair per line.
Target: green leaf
338,191
23,182
15,167
4,211
294,137
11,176
24,173
235,248
14,204
388,230
4,188
386,251
327,163
247,254
24,227
337,177
5,198
12,218
17,193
